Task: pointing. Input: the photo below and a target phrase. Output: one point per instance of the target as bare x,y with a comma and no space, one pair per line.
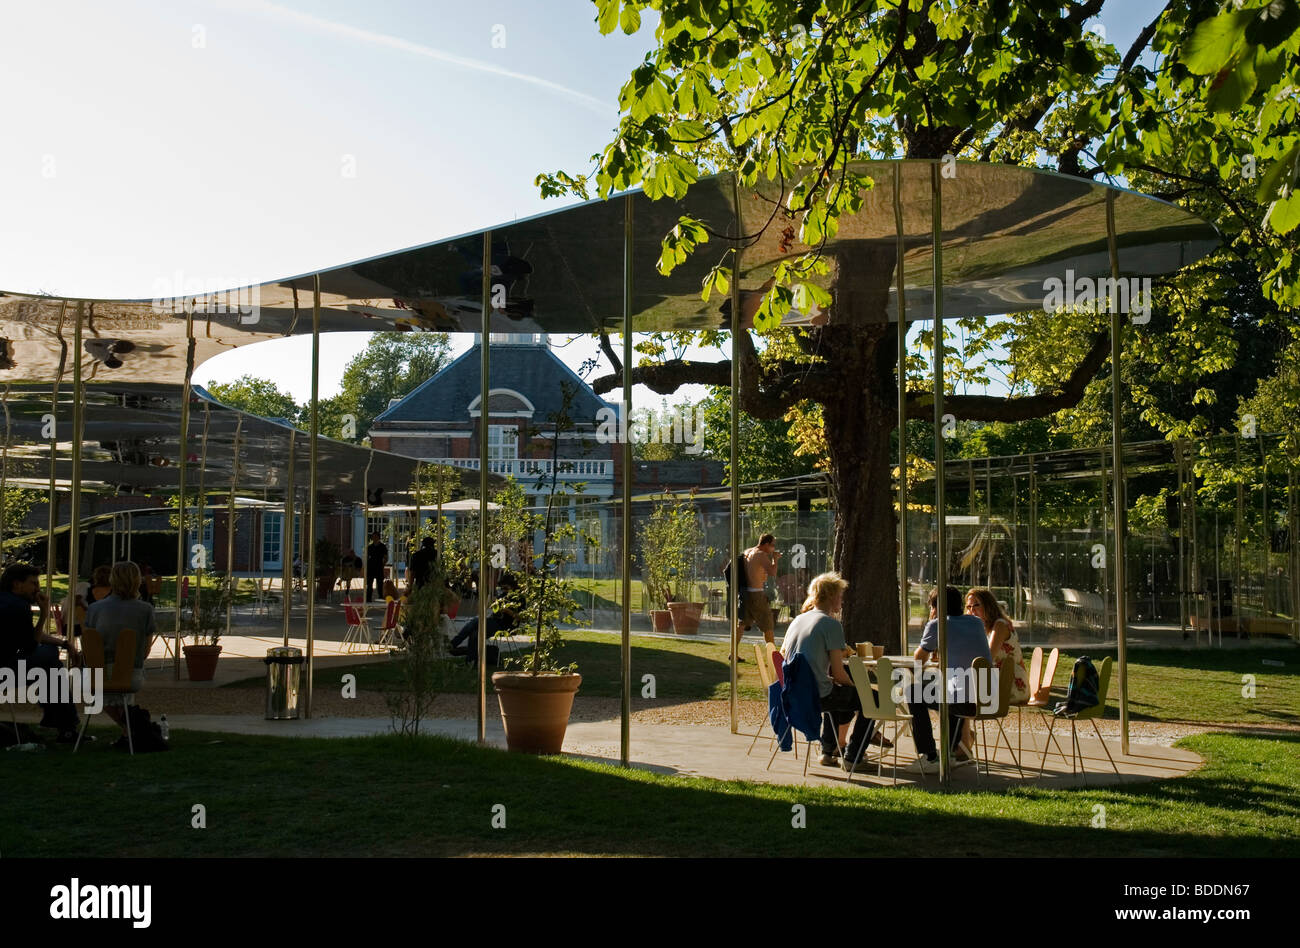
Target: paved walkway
711,751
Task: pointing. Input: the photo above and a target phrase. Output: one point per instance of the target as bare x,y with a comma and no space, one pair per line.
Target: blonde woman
1003,641
818,635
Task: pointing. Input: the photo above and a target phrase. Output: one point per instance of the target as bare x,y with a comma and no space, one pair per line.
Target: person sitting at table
1004,643
99,585
22,638
503,618
817,634
966,642
123,609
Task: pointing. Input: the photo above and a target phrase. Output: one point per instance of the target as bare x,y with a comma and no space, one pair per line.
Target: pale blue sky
246,140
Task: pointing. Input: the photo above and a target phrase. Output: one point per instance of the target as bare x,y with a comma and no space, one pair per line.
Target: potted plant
204,622
537,699
669,541
328,557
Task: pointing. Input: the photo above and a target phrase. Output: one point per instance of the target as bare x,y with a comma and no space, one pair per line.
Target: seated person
966,642
503,618
123,609
99,588
391,591
20,639
816,634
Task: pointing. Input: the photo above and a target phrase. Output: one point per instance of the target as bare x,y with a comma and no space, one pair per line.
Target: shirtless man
760,563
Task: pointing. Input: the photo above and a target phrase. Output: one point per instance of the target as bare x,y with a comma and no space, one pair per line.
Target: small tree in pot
537,699
204,620
670,540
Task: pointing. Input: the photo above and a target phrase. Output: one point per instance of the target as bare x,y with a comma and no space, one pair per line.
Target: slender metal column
203,505
483,590
625,711
312,483
1236,540
4,472
737,581
1117,446
52,512
941,542
1033,546
74,500
286,543
232,584
900,280
1182,535
184,449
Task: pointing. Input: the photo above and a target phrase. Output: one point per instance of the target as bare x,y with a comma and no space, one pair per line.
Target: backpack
1082,691
146,735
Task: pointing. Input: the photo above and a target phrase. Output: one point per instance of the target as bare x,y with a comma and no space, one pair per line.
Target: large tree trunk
861,347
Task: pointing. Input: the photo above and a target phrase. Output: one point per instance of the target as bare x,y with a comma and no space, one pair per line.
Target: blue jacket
776,713
801,699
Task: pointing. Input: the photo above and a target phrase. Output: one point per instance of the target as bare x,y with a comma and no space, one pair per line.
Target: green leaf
1281,176
1229,92
630,21
1284,215
607,15
1212,46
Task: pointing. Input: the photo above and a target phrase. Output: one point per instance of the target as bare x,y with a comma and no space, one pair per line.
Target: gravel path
162,697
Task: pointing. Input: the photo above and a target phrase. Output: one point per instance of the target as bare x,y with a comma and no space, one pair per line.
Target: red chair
358,627
387,638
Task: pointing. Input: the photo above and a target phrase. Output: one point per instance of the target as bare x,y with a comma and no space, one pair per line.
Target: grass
298,797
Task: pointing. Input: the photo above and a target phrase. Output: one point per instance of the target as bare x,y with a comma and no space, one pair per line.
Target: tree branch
994,408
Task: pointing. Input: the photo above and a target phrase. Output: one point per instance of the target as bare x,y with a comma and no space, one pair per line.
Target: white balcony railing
570,468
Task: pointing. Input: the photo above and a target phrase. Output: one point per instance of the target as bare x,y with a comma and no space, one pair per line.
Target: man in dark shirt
376,559
422,563
19,639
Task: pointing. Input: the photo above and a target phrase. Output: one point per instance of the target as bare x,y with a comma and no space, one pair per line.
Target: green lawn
434,797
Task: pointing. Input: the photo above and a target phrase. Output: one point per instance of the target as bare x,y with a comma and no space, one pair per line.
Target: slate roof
532,370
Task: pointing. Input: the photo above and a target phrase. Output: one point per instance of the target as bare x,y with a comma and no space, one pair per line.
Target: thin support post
733,630
231,583
483,588
900,293
52,508
312,485
4,473
203,506
1182,538
1033,546
184,455
625,655
74,500
941,542
1119,503
286,543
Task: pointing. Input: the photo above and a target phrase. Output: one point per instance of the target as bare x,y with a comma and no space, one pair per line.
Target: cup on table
877,652
862,650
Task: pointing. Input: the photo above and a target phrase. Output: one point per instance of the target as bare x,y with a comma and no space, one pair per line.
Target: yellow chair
1040,689
1087,714
767,675
881,704
92,648
1002,707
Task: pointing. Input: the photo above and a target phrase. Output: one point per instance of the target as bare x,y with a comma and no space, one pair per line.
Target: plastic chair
1087,714
358,626
880,704
92,647
766,674
1006,682
387,632
1040,689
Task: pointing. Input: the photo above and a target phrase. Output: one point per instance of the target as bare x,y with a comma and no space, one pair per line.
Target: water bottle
26,747
162,726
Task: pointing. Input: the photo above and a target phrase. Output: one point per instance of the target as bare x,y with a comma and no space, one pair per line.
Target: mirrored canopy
1006,231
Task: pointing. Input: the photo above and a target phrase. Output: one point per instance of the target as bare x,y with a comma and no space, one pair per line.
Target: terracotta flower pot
535,709
201,661
686,616
662,620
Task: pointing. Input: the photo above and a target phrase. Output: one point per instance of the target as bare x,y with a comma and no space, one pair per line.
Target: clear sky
240,141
